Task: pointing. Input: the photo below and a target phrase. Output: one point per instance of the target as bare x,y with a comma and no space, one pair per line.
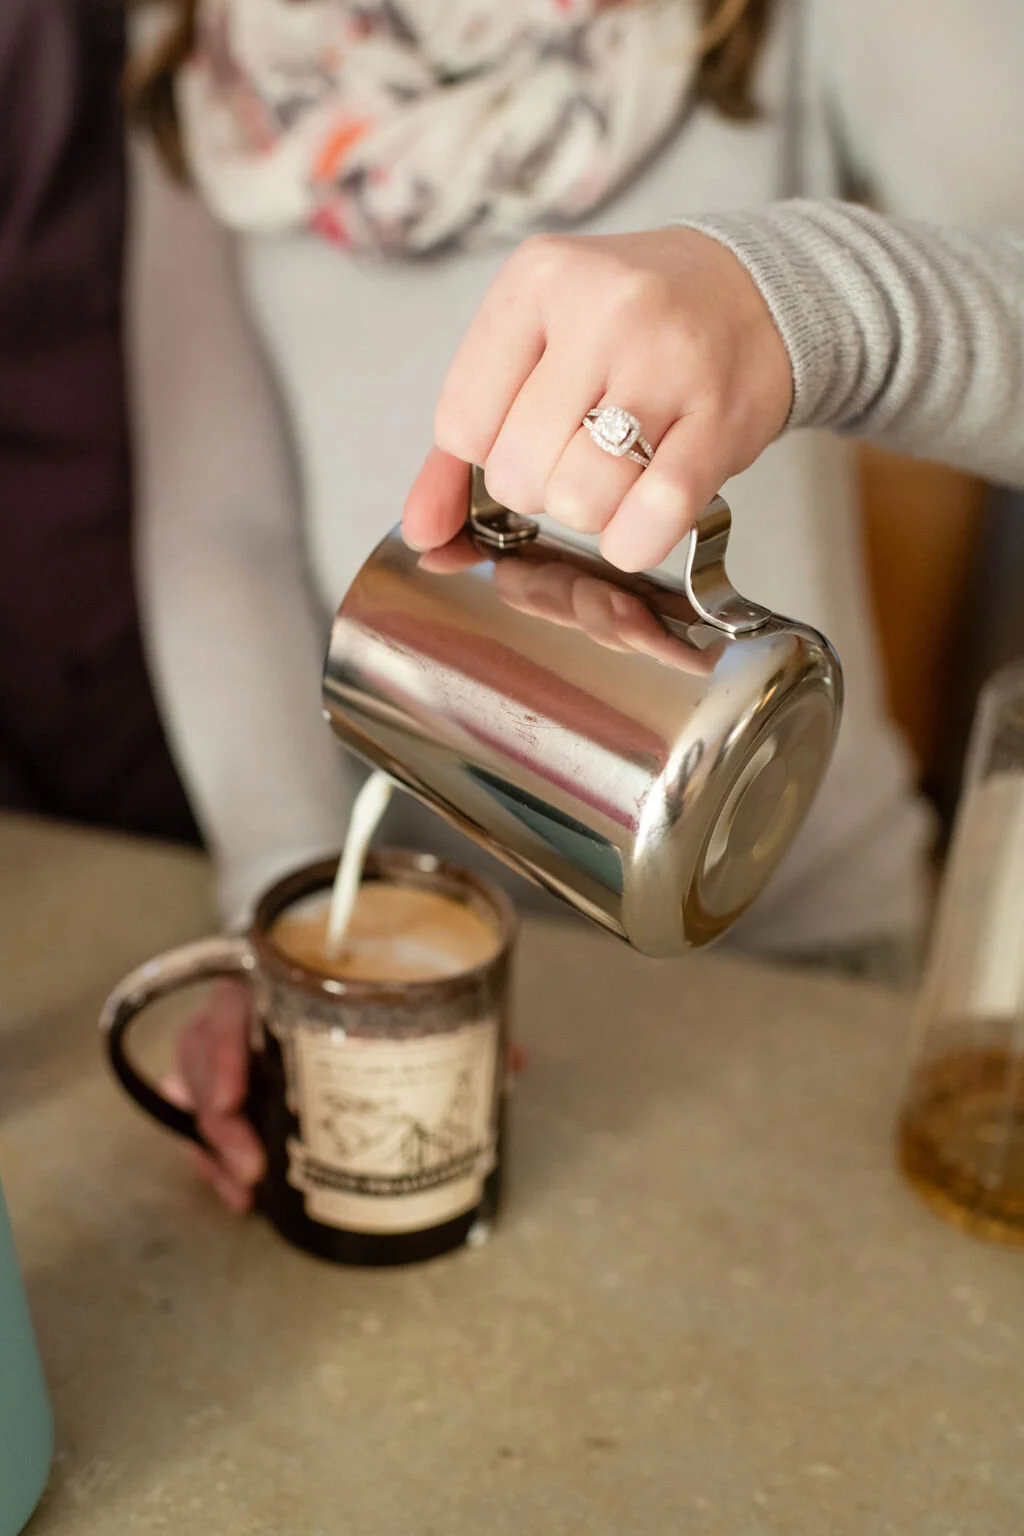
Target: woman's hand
666,324
212,1079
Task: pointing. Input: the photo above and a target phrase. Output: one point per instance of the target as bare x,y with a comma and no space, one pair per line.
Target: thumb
435,508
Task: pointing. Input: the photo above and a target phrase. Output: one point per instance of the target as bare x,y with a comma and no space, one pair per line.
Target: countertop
711,1306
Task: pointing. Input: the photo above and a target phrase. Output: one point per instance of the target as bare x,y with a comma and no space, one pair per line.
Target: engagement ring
617,432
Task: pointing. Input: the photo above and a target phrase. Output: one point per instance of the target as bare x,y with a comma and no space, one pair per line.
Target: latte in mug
397,933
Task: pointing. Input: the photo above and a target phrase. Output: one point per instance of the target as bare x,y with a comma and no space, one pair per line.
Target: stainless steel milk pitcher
644,746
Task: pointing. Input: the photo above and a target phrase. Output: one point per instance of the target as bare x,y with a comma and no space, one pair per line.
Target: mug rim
388,864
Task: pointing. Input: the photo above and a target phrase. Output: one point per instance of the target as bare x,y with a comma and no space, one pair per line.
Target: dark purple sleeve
79,733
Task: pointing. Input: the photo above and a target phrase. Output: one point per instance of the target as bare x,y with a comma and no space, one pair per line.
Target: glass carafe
961,1126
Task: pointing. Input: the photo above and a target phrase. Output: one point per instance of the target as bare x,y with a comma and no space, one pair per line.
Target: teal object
26,1423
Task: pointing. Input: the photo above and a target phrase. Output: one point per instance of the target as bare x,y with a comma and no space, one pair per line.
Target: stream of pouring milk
370,805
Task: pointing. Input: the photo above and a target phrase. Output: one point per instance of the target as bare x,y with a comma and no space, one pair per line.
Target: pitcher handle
708,588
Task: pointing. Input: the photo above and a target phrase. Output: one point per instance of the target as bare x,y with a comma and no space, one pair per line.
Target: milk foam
396,933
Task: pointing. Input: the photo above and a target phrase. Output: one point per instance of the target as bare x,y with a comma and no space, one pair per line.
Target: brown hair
729,45
149,84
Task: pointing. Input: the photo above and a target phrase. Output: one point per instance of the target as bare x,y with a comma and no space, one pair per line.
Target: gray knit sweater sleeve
901,332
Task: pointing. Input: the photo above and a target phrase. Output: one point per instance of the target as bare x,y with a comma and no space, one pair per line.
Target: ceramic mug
380,1105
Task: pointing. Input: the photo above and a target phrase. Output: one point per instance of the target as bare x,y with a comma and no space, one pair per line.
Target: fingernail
421,546
174,1088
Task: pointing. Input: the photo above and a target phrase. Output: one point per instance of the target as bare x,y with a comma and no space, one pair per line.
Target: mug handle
204,960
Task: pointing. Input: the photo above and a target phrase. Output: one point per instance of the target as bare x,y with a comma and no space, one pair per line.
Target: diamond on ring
617,432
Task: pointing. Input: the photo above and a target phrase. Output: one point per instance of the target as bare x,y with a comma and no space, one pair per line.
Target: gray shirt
896,330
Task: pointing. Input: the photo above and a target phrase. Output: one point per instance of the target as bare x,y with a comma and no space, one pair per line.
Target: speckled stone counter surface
711,1307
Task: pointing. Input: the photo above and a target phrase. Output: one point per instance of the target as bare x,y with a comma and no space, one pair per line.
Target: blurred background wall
946,563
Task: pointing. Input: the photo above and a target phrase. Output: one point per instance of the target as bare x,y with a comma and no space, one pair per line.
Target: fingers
213,1052
667,498
588,484
435,508
503,345
520,469
236,1195
640,513
572,322
213,1059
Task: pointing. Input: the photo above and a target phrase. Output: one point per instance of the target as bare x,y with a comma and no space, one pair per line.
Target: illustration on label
396,1135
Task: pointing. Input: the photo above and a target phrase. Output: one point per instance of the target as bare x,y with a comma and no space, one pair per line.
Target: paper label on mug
396,1135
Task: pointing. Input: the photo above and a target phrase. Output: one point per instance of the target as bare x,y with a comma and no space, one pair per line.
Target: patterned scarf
400,127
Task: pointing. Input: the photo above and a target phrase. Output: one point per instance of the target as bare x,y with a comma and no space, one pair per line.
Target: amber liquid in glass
961,1140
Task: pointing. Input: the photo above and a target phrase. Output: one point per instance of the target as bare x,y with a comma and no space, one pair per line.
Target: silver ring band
617,432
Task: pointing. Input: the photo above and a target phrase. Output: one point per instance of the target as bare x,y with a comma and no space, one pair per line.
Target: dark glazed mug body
315,1201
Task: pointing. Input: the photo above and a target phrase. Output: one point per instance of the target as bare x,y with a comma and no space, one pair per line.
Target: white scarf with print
400,127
